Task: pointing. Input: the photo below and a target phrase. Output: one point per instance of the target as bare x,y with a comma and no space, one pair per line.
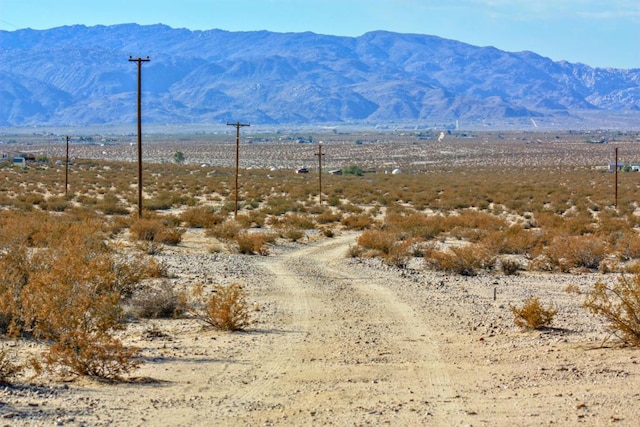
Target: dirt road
337,342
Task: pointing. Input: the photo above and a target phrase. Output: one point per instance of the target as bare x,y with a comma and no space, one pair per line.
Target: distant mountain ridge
79,75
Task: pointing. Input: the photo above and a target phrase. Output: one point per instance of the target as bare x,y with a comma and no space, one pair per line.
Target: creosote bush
619,305
155,230
67,293
463,260
253,243
225,309
532,315
156,301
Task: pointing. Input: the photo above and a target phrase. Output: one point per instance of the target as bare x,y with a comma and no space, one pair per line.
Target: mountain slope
81,75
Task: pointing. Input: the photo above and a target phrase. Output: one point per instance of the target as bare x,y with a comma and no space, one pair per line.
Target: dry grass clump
225,309
532,315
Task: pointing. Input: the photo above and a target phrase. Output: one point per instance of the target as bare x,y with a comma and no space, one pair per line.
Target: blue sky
600,33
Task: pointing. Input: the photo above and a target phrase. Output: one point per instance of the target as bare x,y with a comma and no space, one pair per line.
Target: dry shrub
111,205
201,217
415,224
169,236
510,267
566,252
463,260
129,270
55,204
619,305
328,217
382,241
153,302
252,243
91,353
293,220
354,251
357,222
68,294
532,315
293,234
228,230
513,240
400,253
627,245
14,276
225,309
8,368
155,230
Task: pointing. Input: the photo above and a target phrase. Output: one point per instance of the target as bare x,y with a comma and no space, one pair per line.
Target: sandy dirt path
357,353
338,341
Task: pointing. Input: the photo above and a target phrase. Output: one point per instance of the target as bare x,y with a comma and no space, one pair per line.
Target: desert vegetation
76,264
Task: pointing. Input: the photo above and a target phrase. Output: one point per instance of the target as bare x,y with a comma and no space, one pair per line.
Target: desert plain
340,336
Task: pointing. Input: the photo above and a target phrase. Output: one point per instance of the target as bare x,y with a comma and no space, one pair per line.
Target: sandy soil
340,341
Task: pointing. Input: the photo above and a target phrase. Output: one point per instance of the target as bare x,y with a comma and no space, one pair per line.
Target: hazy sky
600,33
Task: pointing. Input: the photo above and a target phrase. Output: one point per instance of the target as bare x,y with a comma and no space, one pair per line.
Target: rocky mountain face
81,75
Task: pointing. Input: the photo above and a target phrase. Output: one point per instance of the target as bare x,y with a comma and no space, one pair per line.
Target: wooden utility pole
66,169
616,156
238,125
320,154
139,61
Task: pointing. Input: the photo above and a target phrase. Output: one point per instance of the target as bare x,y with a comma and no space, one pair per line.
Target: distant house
19,161
612,166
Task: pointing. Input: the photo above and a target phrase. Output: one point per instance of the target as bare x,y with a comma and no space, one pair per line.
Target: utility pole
66,169
238,125
320,154
616,156
139,61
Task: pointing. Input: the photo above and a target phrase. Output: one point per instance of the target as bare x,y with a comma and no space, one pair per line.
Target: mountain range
78,75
